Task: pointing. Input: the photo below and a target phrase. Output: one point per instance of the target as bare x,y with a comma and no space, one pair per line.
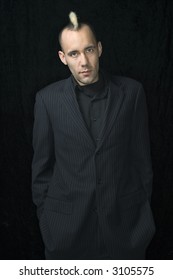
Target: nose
84,60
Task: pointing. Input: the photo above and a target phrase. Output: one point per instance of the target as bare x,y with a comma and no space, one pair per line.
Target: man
92,174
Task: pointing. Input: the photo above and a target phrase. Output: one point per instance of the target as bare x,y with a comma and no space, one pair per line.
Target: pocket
59,206
132,199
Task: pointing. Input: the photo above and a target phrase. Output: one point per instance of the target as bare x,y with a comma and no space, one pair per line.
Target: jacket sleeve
141,142
43,159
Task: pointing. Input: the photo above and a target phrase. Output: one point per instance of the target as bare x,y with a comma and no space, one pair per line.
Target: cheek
73,67
95,61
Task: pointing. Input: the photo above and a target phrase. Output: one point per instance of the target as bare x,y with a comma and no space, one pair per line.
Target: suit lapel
115,98
73,110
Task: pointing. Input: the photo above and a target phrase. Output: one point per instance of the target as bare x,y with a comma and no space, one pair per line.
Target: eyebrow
74,51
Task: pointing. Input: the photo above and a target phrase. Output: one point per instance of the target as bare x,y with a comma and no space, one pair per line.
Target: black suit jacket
78,185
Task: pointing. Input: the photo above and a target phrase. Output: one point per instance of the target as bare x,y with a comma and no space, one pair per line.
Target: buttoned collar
94,91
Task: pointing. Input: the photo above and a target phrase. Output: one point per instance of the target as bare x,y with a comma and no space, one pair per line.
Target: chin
84,82
89,81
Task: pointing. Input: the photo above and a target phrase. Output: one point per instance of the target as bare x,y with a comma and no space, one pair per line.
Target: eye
90,50
73,54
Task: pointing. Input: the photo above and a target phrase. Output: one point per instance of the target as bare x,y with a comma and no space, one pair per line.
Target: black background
137,39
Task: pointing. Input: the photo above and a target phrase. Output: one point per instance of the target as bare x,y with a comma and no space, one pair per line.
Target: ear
62,57
99,48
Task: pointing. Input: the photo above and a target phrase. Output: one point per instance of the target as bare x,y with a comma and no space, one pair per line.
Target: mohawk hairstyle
74,20
75,25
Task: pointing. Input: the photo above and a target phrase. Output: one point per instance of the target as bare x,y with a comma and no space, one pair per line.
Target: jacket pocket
132,199
59,206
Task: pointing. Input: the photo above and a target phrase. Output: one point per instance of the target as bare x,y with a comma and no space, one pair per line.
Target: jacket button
99,181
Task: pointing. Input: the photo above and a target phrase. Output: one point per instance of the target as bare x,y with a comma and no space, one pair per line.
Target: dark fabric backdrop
138,42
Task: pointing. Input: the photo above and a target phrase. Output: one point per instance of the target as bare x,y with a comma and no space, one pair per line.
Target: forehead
75,39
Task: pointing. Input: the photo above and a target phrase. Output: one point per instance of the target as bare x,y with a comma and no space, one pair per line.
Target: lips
85,72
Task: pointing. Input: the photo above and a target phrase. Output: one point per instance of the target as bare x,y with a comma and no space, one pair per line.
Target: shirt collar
95,90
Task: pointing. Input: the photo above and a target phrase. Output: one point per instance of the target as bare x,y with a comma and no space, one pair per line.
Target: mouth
85,72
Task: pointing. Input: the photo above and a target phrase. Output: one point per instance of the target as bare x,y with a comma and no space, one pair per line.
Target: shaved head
80,26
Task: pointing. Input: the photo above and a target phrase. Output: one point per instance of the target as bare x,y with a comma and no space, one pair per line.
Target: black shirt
92,100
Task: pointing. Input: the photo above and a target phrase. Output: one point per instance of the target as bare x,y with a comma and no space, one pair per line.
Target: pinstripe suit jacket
78,185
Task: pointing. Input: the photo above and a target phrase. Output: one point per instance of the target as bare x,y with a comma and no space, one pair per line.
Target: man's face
81,54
